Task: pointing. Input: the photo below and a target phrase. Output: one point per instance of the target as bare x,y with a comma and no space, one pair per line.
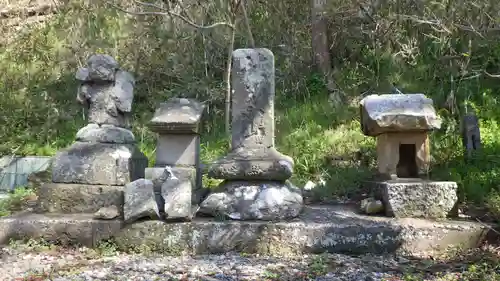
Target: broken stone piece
398,113
99,163
258,200
418,198
105,134
177,195
100,67
371,206
140,201
107,213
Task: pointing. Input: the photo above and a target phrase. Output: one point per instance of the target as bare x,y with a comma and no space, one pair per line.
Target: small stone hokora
106,92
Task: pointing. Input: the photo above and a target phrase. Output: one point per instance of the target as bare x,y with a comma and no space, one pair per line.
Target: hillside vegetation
448,50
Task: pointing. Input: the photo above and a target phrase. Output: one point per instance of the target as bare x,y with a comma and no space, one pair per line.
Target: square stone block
417,198
99,163
77,198
177,150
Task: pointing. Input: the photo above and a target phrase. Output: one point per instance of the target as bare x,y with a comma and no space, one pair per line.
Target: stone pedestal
90,175
176,176
416,198
256,174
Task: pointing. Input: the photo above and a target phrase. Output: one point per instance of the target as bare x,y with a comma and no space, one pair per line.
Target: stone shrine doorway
407,164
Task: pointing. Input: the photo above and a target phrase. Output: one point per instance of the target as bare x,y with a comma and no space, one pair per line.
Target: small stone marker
140,201
401,123
256,174
471,136
177,173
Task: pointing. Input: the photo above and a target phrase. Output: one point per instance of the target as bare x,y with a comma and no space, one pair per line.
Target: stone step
334,229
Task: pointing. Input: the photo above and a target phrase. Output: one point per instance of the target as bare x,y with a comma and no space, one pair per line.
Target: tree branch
168,13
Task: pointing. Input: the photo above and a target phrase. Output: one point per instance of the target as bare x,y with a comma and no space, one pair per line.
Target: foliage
15,201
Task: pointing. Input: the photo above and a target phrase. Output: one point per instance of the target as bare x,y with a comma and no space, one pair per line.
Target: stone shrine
471,135
256,175
176,175
91,173
401,123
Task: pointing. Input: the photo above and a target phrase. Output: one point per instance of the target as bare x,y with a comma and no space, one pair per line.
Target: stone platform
336,229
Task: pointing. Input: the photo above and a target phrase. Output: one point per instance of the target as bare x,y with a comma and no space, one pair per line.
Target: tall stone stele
256,175
91,173
401,124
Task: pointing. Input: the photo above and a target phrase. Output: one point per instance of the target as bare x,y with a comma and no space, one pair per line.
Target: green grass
15,201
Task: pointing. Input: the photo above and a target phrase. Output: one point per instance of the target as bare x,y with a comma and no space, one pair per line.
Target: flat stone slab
336,229
179,115
417,198
77,198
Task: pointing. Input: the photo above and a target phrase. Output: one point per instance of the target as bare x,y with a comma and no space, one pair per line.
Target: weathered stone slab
77,198
177,115
158,175
336,229
260,200
177,195
140,201
99,163
253,164
107,213
177,149
78,229
418,198
105,134
471,135
398,113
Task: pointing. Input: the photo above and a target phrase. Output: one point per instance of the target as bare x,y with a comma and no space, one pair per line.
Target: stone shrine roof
177,115
398,113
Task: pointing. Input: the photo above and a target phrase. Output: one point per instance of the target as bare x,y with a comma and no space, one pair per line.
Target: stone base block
417,198
253,164
334,229
99,163
77,198
257,200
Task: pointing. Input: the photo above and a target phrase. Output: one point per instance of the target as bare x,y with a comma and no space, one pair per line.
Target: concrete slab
336,229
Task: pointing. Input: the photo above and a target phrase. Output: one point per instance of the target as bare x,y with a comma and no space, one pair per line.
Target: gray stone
107,213
109,103
371,206
77,198
471,135
398,113
158,175
260,200
140,201
99,163
177,115
253,164
100,67
418,198
177,149
105,134
334,229
177,195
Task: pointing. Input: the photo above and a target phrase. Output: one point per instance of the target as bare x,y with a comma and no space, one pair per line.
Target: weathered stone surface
100,67
78,229
253,164
335,229
471,135
418,198
177,195
398,113
260,200
158,175
77,198
371,206
106,92
99,163
140,201
107,213
105,134
177,115
177,149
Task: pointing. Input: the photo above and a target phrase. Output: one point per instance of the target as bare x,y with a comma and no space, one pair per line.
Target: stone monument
256,175
92,172
471,135
176,175
401,123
